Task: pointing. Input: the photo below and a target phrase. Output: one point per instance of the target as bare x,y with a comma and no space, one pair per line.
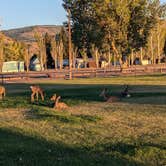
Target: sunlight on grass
90,131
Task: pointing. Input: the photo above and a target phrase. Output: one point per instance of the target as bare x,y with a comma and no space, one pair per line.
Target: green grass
131,132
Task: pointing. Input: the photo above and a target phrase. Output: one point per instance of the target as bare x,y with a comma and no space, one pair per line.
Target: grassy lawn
131,132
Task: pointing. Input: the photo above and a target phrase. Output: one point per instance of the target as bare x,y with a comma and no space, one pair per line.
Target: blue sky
20,13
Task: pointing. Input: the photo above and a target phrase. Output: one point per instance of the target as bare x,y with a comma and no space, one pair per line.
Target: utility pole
70,44
1,52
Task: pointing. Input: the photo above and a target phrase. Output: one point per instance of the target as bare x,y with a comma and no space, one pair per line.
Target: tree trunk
97,58
1,58
158,44
117,53
152,53
141,58
132,57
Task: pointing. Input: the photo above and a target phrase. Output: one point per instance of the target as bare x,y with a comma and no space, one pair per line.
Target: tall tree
26,54
123,25
60,49
95,54
42,49
1,51
54,52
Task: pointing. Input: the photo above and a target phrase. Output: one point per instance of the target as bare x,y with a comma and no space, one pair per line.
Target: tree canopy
122,26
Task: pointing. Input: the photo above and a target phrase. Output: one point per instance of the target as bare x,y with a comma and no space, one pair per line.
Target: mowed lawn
131,132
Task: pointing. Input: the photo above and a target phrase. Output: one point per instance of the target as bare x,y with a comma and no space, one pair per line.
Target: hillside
26,34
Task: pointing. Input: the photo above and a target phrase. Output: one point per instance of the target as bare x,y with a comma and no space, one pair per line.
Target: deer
57,104
2,92
125,92
108,98
36,90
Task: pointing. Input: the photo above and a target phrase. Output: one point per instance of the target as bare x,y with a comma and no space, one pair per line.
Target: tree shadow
18,149
61,117
75,94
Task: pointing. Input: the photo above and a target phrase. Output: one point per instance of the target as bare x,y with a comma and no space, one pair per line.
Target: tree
42,49
74,52
95,54
83,52
60,49
14,51
54,52
81,21
1,51
26,54
123,25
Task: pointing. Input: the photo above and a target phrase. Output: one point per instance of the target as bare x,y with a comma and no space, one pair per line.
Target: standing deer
2,92
36,90
57,104
107,97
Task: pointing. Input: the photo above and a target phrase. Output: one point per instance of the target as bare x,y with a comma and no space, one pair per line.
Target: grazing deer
2,92
57,104
107,97
36,90
125,92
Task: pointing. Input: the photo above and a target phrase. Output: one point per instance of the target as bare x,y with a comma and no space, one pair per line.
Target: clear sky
20,13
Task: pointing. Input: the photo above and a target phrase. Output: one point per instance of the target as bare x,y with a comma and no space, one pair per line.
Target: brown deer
53,98
57,104
107,97
2,92
36,90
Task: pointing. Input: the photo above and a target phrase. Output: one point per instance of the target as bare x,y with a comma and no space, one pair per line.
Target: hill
26,34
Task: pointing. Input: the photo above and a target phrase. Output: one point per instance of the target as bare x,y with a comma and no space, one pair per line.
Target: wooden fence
88,72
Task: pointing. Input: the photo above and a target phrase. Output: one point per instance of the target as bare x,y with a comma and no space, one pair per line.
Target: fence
88,72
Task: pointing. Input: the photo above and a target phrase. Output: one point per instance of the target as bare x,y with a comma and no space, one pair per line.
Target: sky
21,13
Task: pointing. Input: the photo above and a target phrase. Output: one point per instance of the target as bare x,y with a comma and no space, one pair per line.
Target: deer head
53,98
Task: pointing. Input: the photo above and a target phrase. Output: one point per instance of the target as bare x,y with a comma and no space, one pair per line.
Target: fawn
57,104
36,90
107,97
2,92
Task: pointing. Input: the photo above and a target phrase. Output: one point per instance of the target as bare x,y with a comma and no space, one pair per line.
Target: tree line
113,30
118,30
14,50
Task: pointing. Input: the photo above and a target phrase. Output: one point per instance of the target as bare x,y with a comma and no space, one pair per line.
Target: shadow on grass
75,94
37,114
18,149
148,153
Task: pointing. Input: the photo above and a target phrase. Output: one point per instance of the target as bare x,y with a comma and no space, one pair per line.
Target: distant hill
26,34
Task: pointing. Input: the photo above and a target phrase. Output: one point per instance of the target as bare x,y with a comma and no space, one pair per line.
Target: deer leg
42,96
32,97
4,94
37,96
